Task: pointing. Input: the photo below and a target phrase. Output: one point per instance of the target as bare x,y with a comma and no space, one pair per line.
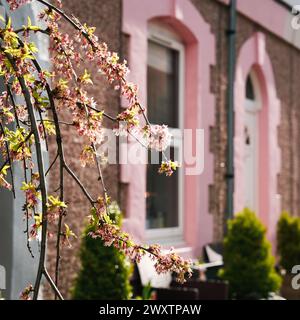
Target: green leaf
8,25
29,22
4,170
55,202
69,232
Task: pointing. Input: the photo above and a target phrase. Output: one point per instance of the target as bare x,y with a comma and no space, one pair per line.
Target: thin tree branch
52,284
80,184
52,164
26,30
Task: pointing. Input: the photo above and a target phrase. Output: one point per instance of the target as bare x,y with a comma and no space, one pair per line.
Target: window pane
162,85
163,80
249,89
162,199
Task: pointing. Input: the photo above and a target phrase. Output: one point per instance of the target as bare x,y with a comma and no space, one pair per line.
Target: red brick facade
105,15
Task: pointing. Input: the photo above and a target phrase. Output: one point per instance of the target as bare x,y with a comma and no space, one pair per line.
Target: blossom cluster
36,227
158,137
87,156
6,114
111,234
108,63
55,208
18,143
32,199
66,55
32,194
15,4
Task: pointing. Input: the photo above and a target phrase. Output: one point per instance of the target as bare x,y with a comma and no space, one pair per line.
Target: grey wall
14,256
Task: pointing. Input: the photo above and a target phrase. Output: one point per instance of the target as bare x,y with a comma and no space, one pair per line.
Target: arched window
250,95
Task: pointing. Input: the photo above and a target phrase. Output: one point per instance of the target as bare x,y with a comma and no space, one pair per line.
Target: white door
251,141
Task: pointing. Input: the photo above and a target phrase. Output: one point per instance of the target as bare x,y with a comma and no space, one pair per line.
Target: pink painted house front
177,55
162,31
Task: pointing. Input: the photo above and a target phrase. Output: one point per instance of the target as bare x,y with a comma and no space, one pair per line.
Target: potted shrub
108,266
248,263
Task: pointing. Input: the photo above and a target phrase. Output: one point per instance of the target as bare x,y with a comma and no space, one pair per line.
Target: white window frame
167,38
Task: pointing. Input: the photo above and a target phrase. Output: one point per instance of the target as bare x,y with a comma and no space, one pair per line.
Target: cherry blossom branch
88,122
63,166
24,171
8,161
19,146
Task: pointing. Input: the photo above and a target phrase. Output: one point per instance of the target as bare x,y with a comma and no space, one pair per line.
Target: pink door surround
199,42
254,57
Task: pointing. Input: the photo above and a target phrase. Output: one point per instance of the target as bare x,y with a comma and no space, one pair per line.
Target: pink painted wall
199,109
270,15
253,55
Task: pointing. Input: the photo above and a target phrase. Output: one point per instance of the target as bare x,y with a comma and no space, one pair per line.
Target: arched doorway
256,150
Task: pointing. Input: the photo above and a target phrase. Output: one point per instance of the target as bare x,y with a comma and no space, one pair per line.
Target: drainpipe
231,34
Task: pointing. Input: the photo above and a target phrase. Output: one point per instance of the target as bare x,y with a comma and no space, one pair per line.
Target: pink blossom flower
15,4
87,156
22,112
129,90
159,137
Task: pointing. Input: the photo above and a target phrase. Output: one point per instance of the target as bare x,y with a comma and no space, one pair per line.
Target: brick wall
105,15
